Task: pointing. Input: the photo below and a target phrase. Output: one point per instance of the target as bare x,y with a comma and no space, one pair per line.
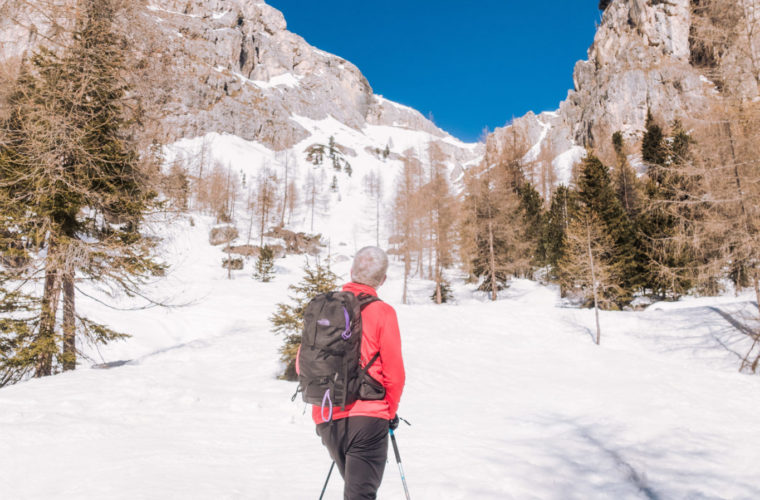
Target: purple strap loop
327,399
346,334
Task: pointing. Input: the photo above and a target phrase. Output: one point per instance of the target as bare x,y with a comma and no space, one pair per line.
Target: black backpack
328,363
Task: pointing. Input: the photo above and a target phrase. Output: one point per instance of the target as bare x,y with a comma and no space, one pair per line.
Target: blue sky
470,64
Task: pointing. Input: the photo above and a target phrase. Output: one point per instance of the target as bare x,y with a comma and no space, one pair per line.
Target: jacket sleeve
393,364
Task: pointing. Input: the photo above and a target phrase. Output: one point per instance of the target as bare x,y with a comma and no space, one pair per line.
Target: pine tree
532,215
554,229
333,154
442,294
627,185
597,196
73,187
288,320
667,221
264,267
653,147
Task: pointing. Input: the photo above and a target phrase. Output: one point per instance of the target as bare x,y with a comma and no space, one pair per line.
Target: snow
563,164
508,399
156,8
535,150
285,80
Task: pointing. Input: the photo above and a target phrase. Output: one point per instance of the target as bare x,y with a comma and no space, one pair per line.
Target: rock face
641,59
227,66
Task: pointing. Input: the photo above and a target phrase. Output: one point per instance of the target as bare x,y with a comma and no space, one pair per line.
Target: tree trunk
438,295
264,215
251,216
407,258
285,194
593,281
50,295
69,322
313,196
755,279
492,260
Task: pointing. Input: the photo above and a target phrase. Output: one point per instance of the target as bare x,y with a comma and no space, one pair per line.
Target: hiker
357,437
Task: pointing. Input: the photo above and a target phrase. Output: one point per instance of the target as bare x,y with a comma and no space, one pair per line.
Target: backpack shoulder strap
366,299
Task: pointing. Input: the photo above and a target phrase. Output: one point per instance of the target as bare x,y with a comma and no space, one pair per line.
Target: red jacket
380,332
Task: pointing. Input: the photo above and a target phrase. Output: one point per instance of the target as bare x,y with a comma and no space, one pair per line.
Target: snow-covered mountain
228,78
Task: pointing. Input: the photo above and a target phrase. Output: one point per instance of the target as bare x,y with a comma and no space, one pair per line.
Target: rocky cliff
642,58
227,66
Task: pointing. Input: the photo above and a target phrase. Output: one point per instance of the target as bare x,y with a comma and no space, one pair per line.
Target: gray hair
369,267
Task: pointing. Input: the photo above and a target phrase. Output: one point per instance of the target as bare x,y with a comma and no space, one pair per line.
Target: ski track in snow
507,400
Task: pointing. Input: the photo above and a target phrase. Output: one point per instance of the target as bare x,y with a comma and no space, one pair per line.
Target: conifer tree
627,185
266,199
554,229
491,216
588,263
73,188
264,268
406,214
532,215
441,205
496,242
653,147
332,152
596,195
728,226
288,320
667,222
442,294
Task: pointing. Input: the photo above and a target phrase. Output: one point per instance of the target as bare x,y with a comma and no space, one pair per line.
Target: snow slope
346,216
507,400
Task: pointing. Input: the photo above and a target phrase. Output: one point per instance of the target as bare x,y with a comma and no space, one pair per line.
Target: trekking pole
327,481
400,467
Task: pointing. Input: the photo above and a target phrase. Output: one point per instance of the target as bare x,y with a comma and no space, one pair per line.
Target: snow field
507,400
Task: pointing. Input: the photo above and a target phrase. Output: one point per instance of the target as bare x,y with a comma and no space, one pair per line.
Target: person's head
369,267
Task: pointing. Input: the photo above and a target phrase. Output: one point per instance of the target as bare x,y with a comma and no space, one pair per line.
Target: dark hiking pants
359,446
